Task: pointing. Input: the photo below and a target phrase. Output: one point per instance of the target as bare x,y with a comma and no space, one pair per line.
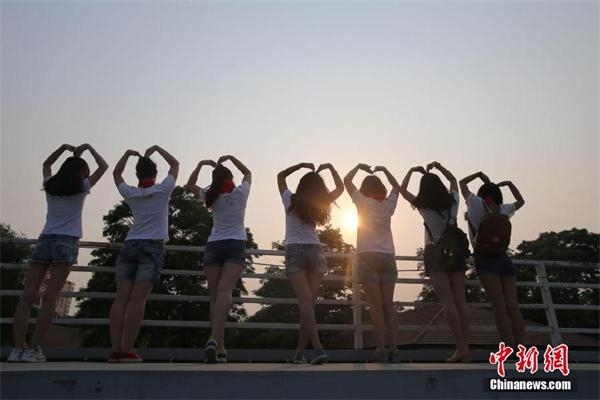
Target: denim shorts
305,257
54,249
436,262
141,260
497,265
376,267
224,251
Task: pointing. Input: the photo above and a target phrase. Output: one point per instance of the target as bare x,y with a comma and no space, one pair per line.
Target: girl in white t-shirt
225,255
140,262
58,245
305,261
496,273
438,206
376,266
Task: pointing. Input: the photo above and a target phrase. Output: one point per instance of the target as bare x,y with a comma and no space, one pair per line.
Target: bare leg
374,297
117,315
509,288
304,294
441,285
135,312
33,280
213,272
457,282
59,275
391,319
230,275
494,291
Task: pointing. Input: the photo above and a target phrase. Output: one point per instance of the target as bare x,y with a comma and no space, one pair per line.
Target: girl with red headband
225,255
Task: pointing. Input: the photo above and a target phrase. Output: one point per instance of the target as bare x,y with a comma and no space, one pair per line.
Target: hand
310,166
224,158
504,183
150,150
130,153
365,168
483,177
324,167
419,169
69,147
379,168
207,162
78,151
432,165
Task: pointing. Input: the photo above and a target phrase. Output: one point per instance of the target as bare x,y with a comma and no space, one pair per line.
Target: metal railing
357,325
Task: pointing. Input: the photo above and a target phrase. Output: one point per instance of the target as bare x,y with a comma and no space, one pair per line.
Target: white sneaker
33,356
16,355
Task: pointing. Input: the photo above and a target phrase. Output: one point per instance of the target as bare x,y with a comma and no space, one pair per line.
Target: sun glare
350,220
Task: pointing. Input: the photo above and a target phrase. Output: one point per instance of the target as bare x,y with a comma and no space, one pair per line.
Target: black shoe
210,352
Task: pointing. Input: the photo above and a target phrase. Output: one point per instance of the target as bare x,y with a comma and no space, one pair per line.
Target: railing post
357,308
542,278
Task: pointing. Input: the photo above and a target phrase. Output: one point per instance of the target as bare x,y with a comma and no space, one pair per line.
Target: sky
510,88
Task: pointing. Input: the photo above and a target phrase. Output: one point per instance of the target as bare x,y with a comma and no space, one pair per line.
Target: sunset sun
350,220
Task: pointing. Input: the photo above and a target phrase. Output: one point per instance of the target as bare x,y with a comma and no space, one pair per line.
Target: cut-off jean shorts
141,260
55,249
376,267
224,251
305,257
497,265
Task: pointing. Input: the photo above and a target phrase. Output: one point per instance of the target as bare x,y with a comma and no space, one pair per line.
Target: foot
394,355
114,357
210,351
299,358
458,357
33,355
221,356
130,357
319,358
380,355
16,355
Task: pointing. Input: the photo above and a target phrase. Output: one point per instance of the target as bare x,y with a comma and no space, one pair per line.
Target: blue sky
510,88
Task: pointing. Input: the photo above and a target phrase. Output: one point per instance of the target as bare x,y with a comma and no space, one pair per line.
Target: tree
577,245
190,223
10,279
333,242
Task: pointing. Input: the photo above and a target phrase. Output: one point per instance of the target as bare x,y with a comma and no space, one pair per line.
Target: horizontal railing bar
258,252
267,325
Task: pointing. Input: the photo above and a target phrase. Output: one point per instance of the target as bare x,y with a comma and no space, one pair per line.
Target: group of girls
140,262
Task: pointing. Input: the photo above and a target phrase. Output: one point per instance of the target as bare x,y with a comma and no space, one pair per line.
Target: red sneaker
130,357
114,357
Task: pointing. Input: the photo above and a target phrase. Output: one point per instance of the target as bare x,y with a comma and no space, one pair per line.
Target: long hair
68,181
311,202
492,190
373,187
219,176
433,194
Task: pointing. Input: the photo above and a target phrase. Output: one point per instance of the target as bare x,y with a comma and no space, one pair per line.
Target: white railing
357,326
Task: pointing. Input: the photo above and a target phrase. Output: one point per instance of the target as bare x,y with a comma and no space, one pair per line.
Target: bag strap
428,232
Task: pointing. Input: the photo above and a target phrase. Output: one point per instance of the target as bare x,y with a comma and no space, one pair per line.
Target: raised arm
464,183
390,178
47,165
102,165
408,196
191,183
348,179
120,166
447,174
239,165
281,176
172,161
339,185
520,202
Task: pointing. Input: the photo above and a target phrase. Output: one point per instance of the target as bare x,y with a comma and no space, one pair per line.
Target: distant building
63,304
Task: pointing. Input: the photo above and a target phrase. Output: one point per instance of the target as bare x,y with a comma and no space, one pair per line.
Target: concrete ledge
275,381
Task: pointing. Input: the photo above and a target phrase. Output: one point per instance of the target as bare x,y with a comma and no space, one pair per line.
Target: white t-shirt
476,212
437,224
64,212
296,230
374,219
229,211
150,208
